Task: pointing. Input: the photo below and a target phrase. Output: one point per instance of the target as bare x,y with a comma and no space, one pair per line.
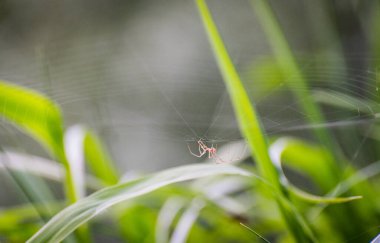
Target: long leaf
251,128
41,167
186,221
309,159
74,216
245,112
347,102
290,68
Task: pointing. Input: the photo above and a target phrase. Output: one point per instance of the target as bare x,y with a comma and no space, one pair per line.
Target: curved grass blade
320,199
65,222
315,169
359,176
41,118
35,114
187,220
81,146
166,217
41,167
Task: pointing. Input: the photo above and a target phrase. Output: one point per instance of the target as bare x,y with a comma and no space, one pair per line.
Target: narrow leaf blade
35,114
79,213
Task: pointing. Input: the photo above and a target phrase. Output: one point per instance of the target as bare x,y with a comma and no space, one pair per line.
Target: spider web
151,87
149,84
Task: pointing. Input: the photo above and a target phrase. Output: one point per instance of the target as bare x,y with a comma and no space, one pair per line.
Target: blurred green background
141,74
125,67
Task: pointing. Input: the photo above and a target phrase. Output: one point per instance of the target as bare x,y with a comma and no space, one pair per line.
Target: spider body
204,149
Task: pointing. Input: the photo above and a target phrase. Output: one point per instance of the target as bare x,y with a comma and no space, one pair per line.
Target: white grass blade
74,150
32,164
40,167
376,239
217,191
187,220
165,218
65,222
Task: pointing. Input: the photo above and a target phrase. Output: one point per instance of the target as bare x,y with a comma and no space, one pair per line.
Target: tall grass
251,128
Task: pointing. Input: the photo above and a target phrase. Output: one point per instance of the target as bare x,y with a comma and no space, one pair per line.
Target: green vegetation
179,204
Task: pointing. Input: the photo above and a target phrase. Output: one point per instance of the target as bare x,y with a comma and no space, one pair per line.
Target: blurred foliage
314,176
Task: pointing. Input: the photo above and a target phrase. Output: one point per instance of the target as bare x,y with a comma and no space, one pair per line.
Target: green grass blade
320,199
254,232
39,117
347,102
34,113
98,160
81,146
12,217
306,159
32,165
250,126
291,69
79,213
360,176
33,188
245,113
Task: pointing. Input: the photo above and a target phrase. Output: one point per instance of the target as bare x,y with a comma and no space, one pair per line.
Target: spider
203,149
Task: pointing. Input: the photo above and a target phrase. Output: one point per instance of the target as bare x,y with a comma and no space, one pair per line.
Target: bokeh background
142,75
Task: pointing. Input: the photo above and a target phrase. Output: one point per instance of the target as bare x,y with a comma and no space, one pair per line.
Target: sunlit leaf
99,160
292,72
263,76
250,126
306,158
321,199
35,114
309,159
41,118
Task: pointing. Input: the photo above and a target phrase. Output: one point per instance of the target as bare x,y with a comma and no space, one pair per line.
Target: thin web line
167,99
257,234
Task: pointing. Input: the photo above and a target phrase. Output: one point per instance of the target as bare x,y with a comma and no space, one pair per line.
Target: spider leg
201,149
201,153
202,145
